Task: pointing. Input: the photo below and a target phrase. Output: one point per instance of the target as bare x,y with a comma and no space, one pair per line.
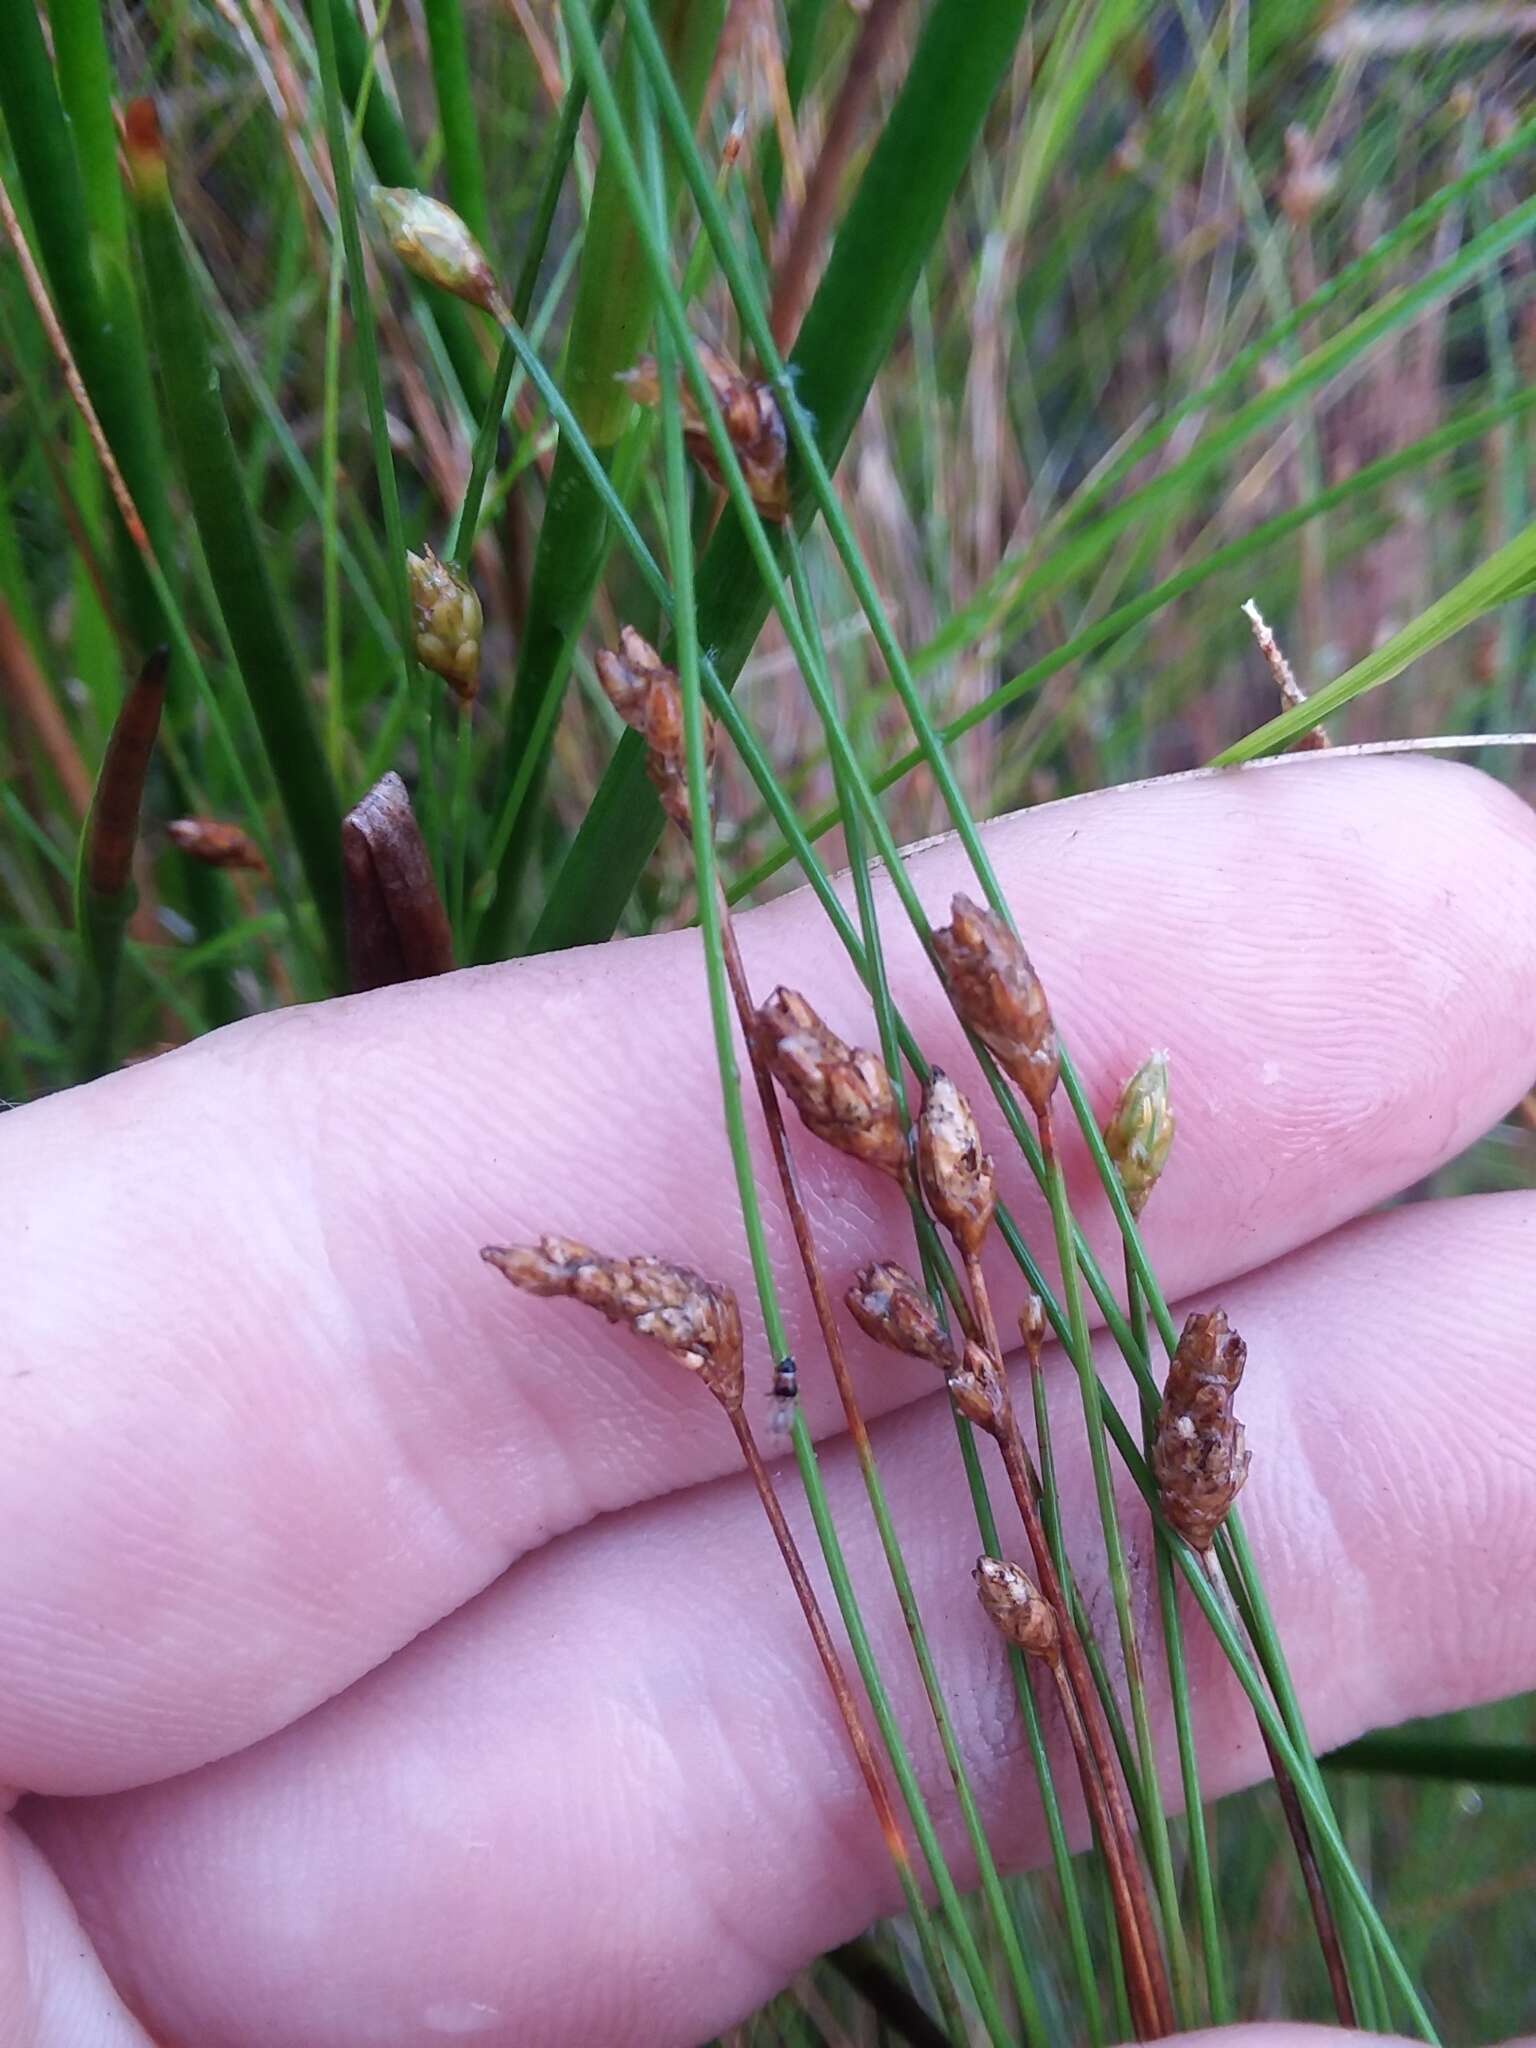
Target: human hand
400,1659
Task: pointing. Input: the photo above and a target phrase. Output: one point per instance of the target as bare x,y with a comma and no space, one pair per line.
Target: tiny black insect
786,1378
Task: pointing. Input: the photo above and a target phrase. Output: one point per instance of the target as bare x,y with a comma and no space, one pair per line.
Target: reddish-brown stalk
831,1663
1200,1460
1146,1984
997,994
1032,1622
662,727
789,1181
813,216
698,1323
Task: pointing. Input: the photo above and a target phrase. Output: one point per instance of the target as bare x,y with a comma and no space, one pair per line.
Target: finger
267,1415
610,1800
53,1991
1283,2035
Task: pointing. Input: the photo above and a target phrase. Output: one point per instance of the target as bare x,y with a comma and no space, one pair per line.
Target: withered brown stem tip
888,1305
695,1320
997,994
1199,1455
843,1093
1017,1608
648,697
956,1173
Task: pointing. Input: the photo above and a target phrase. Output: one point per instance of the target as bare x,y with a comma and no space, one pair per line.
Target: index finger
267,1415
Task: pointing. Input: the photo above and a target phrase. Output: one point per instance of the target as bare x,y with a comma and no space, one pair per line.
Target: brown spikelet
843,1092
695,1320
888,1305
1017,1608
979,1389
752,420
1199,1456
216,844
648,697
957,1175
997,993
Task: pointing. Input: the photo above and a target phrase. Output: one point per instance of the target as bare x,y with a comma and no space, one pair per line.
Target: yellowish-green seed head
448,622
1139,1136
431,241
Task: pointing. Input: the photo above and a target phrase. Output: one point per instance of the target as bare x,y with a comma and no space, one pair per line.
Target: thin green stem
449,50
264,654
366,341
805,445
1003,1919
1080,1351
753,531
681,562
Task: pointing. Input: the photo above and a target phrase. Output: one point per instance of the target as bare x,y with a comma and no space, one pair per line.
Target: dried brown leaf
397,928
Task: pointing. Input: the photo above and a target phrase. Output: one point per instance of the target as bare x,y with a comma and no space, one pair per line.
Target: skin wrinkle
156,1228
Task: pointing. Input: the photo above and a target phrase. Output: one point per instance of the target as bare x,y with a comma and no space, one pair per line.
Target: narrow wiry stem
826,1650
1301,1838
74,383
831,1333
1082,1359
1150,2004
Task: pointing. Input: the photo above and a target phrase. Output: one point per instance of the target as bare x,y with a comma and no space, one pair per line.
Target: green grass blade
1440,1757
609,327
1117,624
232,544
462,166
366,342
680,550
394,163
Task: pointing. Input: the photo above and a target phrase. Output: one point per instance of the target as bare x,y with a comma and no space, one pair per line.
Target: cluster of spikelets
846,1098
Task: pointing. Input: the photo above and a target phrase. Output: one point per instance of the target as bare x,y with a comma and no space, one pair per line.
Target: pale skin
392,1659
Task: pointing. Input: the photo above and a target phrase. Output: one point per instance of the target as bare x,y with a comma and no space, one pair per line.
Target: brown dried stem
831,1663
1033,1622
48,320
1291,692
24,687
1146,1985
807,234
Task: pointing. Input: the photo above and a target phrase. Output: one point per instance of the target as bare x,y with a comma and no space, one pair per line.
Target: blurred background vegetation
1234,300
